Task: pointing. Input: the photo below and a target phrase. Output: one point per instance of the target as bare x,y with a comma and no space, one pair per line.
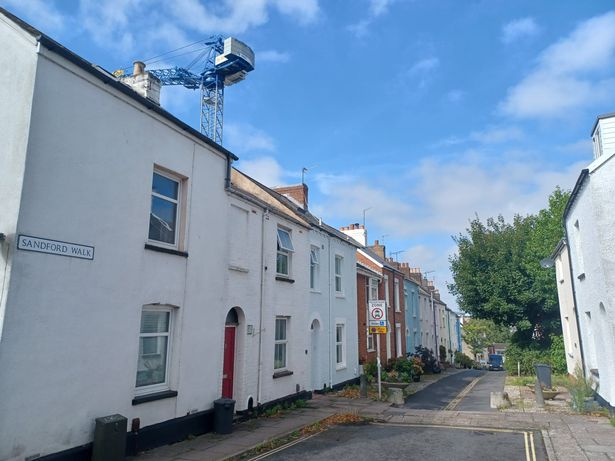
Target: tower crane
222,62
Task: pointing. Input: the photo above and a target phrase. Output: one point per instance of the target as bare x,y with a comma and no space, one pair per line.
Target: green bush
371,369
528,357
463,360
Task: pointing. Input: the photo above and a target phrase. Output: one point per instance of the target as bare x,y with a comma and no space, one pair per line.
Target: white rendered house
590,233
114,263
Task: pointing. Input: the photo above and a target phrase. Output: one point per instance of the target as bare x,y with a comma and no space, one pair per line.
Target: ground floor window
340,350
370,341
281,342
154,344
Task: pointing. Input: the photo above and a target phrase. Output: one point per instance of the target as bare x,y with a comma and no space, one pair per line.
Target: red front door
229,361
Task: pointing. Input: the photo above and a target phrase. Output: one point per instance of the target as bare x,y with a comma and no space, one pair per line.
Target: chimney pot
138,67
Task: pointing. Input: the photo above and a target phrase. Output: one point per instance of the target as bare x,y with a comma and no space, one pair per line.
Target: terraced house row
141,274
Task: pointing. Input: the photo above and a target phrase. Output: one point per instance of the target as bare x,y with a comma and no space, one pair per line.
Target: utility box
543,373
223,415
110,438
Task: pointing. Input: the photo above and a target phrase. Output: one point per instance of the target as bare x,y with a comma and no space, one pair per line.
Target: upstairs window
285,250
373,289
163,219
314,267
338,273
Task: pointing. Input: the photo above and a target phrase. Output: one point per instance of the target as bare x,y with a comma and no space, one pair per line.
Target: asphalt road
439,395
479,397
387,442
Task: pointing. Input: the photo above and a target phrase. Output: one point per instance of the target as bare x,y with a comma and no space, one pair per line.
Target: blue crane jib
222,62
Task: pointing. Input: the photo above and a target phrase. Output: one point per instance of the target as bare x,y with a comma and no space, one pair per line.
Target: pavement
566,437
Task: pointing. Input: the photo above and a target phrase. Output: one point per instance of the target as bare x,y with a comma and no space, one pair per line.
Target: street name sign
55,247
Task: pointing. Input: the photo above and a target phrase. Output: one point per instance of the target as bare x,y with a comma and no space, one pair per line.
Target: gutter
573,195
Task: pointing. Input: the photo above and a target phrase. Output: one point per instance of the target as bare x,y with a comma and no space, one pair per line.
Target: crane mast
223,62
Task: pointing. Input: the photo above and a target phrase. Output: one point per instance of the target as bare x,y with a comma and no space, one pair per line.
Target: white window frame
281,342
340,343
338,275
371,343
151,388
396,296
178,205
373,285
284,250
398,340
314,267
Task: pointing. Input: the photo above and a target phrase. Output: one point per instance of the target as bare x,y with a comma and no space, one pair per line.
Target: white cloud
376,9
379,7
519,29
424,65
272,56
495,135
42,14
455,96
265,170
474,182
575,72
359,29
122,24
490,135
242,137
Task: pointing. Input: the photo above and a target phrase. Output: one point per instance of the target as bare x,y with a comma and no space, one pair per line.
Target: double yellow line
466,390
530,449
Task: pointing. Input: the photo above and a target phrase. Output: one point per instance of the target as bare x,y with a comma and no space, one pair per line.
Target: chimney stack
357,232
380,250
297,193
143,82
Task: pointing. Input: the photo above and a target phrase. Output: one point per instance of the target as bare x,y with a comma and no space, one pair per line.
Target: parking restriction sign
377,316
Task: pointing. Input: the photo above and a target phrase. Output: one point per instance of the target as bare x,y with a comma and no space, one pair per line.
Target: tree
481,333
497,273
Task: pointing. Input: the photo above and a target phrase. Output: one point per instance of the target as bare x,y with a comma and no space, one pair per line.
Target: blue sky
426,112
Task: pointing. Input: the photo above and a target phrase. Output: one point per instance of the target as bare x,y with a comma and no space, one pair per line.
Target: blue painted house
413,319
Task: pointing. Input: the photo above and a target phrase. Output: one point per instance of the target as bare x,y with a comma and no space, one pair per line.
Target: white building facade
590,233
567,307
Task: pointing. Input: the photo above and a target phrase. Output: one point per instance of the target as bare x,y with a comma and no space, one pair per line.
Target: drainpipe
227,177
330,326
264,215
435,327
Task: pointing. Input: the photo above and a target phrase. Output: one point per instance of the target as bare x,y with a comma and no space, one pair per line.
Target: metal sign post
378,325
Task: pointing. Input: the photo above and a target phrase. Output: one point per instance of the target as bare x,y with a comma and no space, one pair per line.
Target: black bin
543,373
223,415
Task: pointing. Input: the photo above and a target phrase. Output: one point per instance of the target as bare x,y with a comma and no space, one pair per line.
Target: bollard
363,387
540,401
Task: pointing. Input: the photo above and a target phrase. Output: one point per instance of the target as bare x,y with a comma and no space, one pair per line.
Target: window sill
312,290
340,367
139,399
170,251
280,278
281,374
339,295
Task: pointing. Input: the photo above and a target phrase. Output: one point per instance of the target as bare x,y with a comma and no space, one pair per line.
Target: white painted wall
71,327
567,311
18,58
592,250
330,308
